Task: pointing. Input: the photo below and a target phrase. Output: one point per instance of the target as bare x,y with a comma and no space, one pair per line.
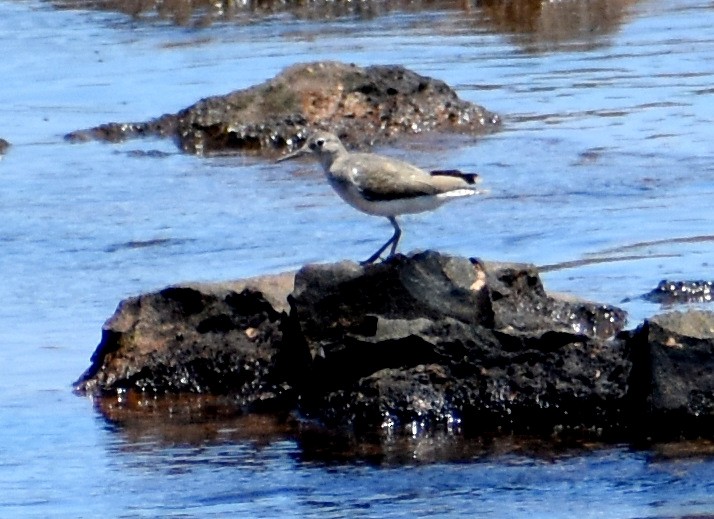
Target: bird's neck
327,160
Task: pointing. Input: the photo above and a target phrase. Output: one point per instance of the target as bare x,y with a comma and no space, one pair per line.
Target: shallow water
605,154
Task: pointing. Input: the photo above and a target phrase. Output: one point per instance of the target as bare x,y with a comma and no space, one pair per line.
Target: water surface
605,154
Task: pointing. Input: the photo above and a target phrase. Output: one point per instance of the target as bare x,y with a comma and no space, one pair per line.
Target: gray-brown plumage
383,186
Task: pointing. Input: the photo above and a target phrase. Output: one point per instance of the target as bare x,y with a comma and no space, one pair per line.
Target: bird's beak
297,153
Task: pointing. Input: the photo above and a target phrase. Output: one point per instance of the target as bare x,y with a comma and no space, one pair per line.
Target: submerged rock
363,105
678,292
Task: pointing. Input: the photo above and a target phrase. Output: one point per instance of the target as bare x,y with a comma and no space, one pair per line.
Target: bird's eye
320,142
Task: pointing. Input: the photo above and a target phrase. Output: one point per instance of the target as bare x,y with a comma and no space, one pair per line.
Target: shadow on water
535,25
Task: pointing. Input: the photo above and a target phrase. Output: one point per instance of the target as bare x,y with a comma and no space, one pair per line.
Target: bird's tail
459,192
470,178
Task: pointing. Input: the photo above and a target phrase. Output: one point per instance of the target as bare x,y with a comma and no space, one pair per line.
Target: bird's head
324,146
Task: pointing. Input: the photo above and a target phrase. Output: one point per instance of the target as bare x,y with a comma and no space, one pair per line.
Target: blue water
605,153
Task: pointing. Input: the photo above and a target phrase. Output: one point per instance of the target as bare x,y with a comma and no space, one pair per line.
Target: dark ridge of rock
4,145
521,304
674,356
220,339
415,344
363,105
681,292
333,300
164,126
432,340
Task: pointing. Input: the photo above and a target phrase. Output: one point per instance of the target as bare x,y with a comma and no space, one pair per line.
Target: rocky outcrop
432,340
363,106
414,344
418,342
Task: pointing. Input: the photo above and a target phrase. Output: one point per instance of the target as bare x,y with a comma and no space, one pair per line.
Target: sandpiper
383,186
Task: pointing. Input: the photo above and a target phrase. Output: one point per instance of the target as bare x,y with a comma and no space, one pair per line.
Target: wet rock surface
219,339
674,355
670,292
364,106
433,340
417,343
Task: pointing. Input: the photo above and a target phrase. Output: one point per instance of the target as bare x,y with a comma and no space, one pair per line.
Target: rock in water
670,293
417,342
674,376
365,105
203,338
433,340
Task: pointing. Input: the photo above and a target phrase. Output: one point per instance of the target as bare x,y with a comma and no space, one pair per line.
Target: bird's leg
393,241
396,236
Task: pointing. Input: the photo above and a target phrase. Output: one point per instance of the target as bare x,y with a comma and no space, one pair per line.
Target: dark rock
362,105
408,400
4,145
520,303
416,343
335,300
221,339
674,355
681,292
433,340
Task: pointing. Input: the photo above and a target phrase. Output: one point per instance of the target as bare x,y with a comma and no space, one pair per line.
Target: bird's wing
381,178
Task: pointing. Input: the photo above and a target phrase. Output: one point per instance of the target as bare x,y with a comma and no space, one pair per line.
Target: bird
383,186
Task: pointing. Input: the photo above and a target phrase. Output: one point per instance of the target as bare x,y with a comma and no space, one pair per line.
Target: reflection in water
540,25
153,422
192,423
187,420
206,12
537,25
